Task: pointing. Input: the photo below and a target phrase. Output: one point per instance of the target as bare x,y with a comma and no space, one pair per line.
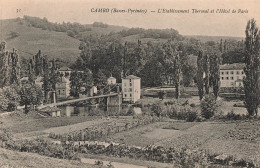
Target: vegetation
31,94
252,49
103,130
208,106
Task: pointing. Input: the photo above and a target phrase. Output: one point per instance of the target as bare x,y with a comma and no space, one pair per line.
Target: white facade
232,75
131,88
111,80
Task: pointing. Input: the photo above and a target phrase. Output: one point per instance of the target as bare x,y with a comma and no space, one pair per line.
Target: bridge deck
76,100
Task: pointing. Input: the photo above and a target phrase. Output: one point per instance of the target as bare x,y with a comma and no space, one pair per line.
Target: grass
30,40
218,137
15,159
129,161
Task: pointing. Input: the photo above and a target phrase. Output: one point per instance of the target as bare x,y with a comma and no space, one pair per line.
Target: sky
211,24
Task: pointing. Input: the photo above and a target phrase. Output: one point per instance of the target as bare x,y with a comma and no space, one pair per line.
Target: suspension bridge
111,98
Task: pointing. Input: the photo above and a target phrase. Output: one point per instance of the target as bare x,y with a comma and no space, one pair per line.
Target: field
239,139
12,159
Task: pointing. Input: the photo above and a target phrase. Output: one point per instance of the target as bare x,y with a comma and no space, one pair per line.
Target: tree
87,79
200,72
31,72
54,75
38,62
177,73
124,59
4,68
15,68
252,47
100,80
9,67
30,94
75,83
207,72
46,79
215,75
9,98
208,106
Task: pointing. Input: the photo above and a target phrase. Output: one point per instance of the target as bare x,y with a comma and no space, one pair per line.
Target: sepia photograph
129,84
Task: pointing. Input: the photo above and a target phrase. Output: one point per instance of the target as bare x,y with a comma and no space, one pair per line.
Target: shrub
208,106
192,105
191,115
233,116
130,112
158,109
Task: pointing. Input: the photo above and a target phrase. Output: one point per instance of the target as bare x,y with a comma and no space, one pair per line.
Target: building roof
132,77
65,69
24,78
111,77
236,66
49,109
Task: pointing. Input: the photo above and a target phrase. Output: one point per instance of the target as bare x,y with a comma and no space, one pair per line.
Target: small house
111,81
63,88
131,88
51,111
65,71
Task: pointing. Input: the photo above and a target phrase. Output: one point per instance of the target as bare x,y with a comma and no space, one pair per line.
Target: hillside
214,38
29,40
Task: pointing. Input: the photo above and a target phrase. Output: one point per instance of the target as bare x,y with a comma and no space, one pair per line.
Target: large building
63,88
131,88
231,75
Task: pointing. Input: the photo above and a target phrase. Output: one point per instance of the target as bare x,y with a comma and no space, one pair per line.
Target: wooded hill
61,40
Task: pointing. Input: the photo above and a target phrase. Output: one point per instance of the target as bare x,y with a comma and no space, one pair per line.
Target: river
93,110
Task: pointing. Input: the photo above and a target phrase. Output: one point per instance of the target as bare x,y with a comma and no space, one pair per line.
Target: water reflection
93,110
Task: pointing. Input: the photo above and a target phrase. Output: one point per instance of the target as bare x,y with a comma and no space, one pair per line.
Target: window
125,95
232,78
227,78
125,89
242,72
59,92
130,95
130,84
222,78
232,72
130,89
130,80
227,72
222,73
237,72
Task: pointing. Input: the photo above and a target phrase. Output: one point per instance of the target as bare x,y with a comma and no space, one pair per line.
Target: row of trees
153,62
13,91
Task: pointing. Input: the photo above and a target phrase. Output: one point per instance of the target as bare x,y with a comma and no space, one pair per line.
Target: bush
191,115
130,112
208,106
158,109
233,116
